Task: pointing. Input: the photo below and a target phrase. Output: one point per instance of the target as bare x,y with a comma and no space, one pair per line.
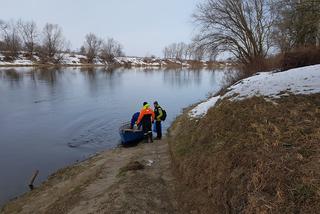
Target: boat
130,136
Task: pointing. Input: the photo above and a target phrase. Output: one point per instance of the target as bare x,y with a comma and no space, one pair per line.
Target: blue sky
142,26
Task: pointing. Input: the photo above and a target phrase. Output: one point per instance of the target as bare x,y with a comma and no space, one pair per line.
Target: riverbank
253,149
67,59
122,180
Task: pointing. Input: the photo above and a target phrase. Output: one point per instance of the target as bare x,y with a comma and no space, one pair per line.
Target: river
51,118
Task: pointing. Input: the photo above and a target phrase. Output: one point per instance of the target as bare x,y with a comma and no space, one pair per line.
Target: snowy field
270,85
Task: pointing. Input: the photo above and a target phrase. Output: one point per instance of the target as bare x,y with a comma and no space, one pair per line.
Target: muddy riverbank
121,180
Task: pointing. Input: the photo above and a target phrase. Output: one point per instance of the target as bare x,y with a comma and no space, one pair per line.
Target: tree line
49,43
253,29
183,51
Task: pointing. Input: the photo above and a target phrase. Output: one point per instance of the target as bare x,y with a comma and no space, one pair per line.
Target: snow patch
202,109
270,85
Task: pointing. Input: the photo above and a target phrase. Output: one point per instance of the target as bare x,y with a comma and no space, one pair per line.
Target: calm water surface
43,112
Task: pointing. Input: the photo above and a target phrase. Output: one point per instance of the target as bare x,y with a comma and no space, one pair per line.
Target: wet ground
123,180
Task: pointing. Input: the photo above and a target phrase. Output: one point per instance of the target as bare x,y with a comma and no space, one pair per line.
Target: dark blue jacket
134,118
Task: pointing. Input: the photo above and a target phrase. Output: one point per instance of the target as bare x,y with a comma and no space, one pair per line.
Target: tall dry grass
250,156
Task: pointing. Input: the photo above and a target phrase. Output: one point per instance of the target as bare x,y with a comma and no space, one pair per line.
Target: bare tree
198,53
189,51
111,49
242,27
184,51
297,23
29,34
82,50
180,49
53,43
11,39
92,46
175,50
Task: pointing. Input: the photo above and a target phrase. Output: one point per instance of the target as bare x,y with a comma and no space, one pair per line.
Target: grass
252,156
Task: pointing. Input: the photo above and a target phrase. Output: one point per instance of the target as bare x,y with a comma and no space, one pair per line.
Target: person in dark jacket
134,119
146,118
158,118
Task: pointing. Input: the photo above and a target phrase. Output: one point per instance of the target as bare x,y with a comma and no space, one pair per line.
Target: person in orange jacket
146,118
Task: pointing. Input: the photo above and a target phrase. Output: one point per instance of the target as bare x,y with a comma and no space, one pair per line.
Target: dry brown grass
295,58
171,64
251,156
300,57
195,63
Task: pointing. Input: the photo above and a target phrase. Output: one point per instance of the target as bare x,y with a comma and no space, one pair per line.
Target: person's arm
132,122
140,117
152,116
160,114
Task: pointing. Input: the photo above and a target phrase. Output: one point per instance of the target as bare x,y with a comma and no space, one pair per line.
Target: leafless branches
297,24
49,44
110,49
95,46
242,27
53,42
182,51
92,46
29,34
10,38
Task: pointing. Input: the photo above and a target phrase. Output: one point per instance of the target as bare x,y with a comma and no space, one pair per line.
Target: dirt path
123,180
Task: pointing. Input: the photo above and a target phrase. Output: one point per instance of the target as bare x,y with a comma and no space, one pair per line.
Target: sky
143,27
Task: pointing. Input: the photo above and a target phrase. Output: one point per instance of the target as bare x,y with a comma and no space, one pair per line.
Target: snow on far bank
271,85
20,60
72,59
69,59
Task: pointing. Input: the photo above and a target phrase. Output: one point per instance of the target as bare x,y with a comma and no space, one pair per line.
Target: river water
51,118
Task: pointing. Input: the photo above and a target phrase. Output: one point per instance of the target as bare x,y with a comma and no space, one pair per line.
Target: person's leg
151,137
149,131
159,131
145,132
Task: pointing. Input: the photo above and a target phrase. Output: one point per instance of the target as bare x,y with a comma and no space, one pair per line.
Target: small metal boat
130,136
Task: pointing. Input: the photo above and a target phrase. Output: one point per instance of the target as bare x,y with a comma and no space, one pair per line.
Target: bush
301,57
295,58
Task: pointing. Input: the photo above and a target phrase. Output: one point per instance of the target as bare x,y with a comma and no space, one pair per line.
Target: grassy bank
250,156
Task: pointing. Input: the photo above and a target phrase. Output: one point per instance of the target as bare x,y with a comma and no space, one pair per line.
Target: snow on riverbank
66,59
78,60
271,85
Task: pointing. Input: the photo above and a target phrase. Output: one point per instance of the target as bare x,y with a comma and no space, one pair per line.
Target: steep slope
254,150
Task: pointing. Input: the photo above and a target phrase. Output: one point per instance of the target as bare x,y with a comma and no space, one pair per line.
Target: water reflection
95,75
52,76
49,75
182,77
12,75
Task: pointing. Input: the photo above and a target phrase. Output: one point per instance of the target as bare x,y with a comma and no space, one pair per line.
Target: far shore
110,66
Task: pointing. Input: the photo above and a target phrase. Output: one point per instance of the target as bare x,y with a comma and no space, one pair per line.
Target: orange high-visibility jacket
144,111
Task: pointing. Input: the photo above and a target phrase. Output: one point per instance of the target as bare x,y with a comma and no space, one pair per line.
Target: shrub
301,57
